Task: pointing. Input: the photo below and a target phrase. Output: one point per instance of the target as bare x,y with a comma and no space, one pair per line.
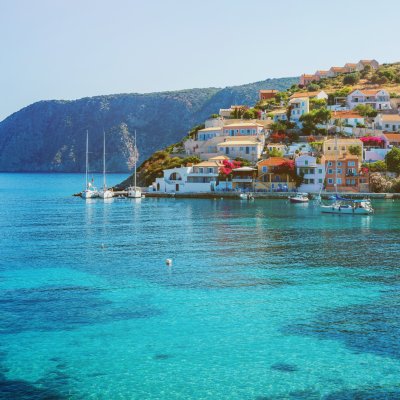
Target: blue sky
67,49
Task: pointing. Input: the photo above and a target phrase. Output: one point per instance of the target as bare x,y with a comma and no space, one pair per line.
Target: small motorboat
246,196
299,198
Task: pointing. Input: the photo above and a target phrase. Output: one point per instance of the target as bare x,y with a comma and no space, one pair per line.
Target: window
210,170
353,181
264,169
253,148
311,181
351,163
329,149
343,148
339,181
320,170
305,162
330,162
330,181
319,180
201,170
339,163
330,171
247,150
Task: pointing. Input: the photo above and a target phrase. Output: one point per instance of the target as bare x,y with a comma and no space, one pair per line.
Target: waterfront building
343,174
313,171
271,178
243,178
198,178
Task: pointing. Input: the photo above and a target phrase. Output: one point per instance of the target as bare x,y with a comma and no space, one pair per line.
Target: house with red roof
379,99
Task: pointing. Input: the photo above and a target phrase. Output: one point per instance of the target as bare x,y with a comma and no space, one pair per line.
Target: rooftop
346,114
390,117
341,158
392,137
305,94
273,161
212,129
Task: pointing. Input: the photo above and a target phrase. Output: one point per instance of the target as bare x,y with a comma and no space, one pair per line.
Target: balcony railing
242,180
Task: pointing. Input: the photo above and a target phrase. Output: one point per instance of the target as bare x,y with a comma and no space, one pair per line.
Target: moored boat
90,190
105,193
134,191
299,198
348,206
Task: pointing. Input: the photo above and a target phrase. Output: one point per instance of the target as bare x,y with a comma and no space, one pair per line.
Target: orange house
343,173
267,94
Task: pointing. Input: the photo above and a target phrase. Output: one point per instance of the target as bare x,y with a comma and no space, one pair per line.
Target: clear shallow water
264,301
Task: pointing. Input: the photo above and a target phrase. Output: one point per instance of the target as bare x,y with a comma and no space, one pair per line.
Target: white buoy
168,262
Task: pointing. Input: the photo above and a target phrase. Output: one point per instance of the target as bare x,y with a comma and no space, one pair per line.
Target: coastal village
315,137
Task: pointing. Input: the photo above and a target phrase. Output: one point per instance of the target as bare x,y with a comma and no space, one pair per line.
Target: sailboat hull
107,194
89,194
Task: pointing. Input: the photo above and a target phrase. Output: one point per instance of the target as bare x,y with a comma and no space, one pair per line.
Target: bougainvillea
375,141
228,166
277,137
287,167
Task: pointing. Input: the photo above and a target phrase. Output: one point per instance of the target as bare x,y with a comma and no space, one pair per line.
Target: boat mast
104,161
135,159
87,158
336,162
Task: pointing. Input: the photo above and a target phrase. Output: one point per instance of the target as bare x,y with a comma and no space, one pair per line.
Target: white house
313,171
379,99
243,129
388,122
208,133
310,95
299,106
335,71
249,148
198,178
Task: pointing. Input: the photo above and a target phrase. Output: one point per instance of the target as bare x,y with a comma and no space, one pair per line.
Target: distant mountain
50,135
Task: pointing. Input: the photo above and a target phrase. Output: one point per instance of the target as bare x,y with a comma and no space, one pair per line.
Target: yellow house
340,147
272,181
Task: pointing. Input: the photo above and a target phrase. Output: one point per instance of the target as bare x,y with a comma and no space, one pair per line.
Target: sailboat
105,193
134,191
90,191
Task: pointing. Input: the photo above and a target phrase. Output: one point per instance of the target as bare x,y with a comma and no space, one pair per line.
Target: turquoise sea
264,300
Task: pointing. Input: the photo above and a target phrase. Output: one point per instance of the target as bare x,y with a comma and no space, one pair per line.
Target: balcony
242,180
203,174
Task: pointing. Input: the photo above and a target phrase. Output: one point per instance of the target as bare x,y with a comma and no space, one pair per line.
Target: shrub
313,87
355,150
393,160
351,79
